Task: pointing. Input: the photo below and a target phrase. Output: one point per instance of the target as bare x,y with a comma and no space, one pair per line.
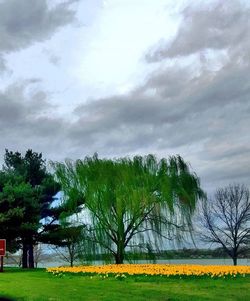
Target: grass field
39,285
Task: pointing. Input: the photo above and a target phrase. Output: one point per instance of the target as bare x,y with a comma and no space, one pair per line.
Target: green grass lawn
39,285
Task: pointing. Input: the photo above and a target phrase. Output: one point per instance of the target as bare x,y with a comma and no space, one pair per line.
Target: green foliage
17,200
26,193
31,166
67,240
128,197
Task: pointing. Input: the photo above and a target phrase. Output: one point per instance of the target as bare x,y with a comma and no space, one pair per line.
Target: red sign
2,247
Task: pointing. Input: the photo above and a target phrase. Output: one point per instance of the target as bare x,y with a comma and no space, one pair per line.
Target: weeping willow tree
127,198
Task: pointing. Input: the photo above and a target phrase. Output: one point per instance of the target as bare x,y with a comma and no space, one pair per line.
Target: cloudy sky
125,77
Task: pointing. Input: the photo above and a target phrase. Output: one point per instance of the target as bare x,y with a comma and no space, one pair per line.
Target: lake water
218,261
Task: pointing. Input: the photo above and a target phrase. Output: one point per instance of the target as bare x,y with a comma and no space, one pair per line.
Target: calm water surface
219,261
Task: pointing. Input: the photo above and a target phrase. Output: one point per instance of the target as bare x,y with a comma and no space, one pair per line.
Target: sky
128,77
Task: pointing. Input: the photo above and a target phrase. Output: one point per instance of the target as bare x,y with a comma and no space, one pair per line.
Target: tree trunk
71,254
235,260
31,256
119,256
25,256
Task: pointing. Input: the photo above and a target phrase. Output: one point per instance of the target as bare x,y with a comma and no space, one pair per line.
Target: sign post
2,252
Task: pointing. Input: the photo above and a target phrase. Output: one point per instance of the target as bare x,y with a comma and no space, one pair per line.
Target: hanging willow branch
128,197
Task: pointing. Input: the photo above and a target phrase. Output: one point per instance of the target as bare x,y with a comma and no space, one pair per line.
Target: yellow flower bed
156,269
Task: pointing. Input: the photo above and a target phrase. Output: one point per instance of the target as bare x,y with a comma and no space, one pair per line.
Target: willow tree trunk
119,256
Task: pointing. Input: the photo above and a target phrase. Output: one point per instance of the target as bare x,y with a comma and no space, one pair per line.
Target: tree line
123,203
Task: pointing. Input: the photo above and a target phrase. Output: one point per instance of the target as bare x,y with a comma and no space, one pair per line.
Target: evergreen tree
35,205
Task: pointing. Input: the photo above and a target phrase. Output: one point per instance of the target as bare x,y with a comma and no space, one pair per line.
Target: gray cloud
214,25
30,23
27,120
197,105
23,23
3,67
26,117
203,106
53,58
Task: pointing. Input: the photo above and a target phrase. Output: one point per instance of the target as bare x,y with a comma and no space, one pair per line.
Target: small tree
226,220
38,253
125,198
67,241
